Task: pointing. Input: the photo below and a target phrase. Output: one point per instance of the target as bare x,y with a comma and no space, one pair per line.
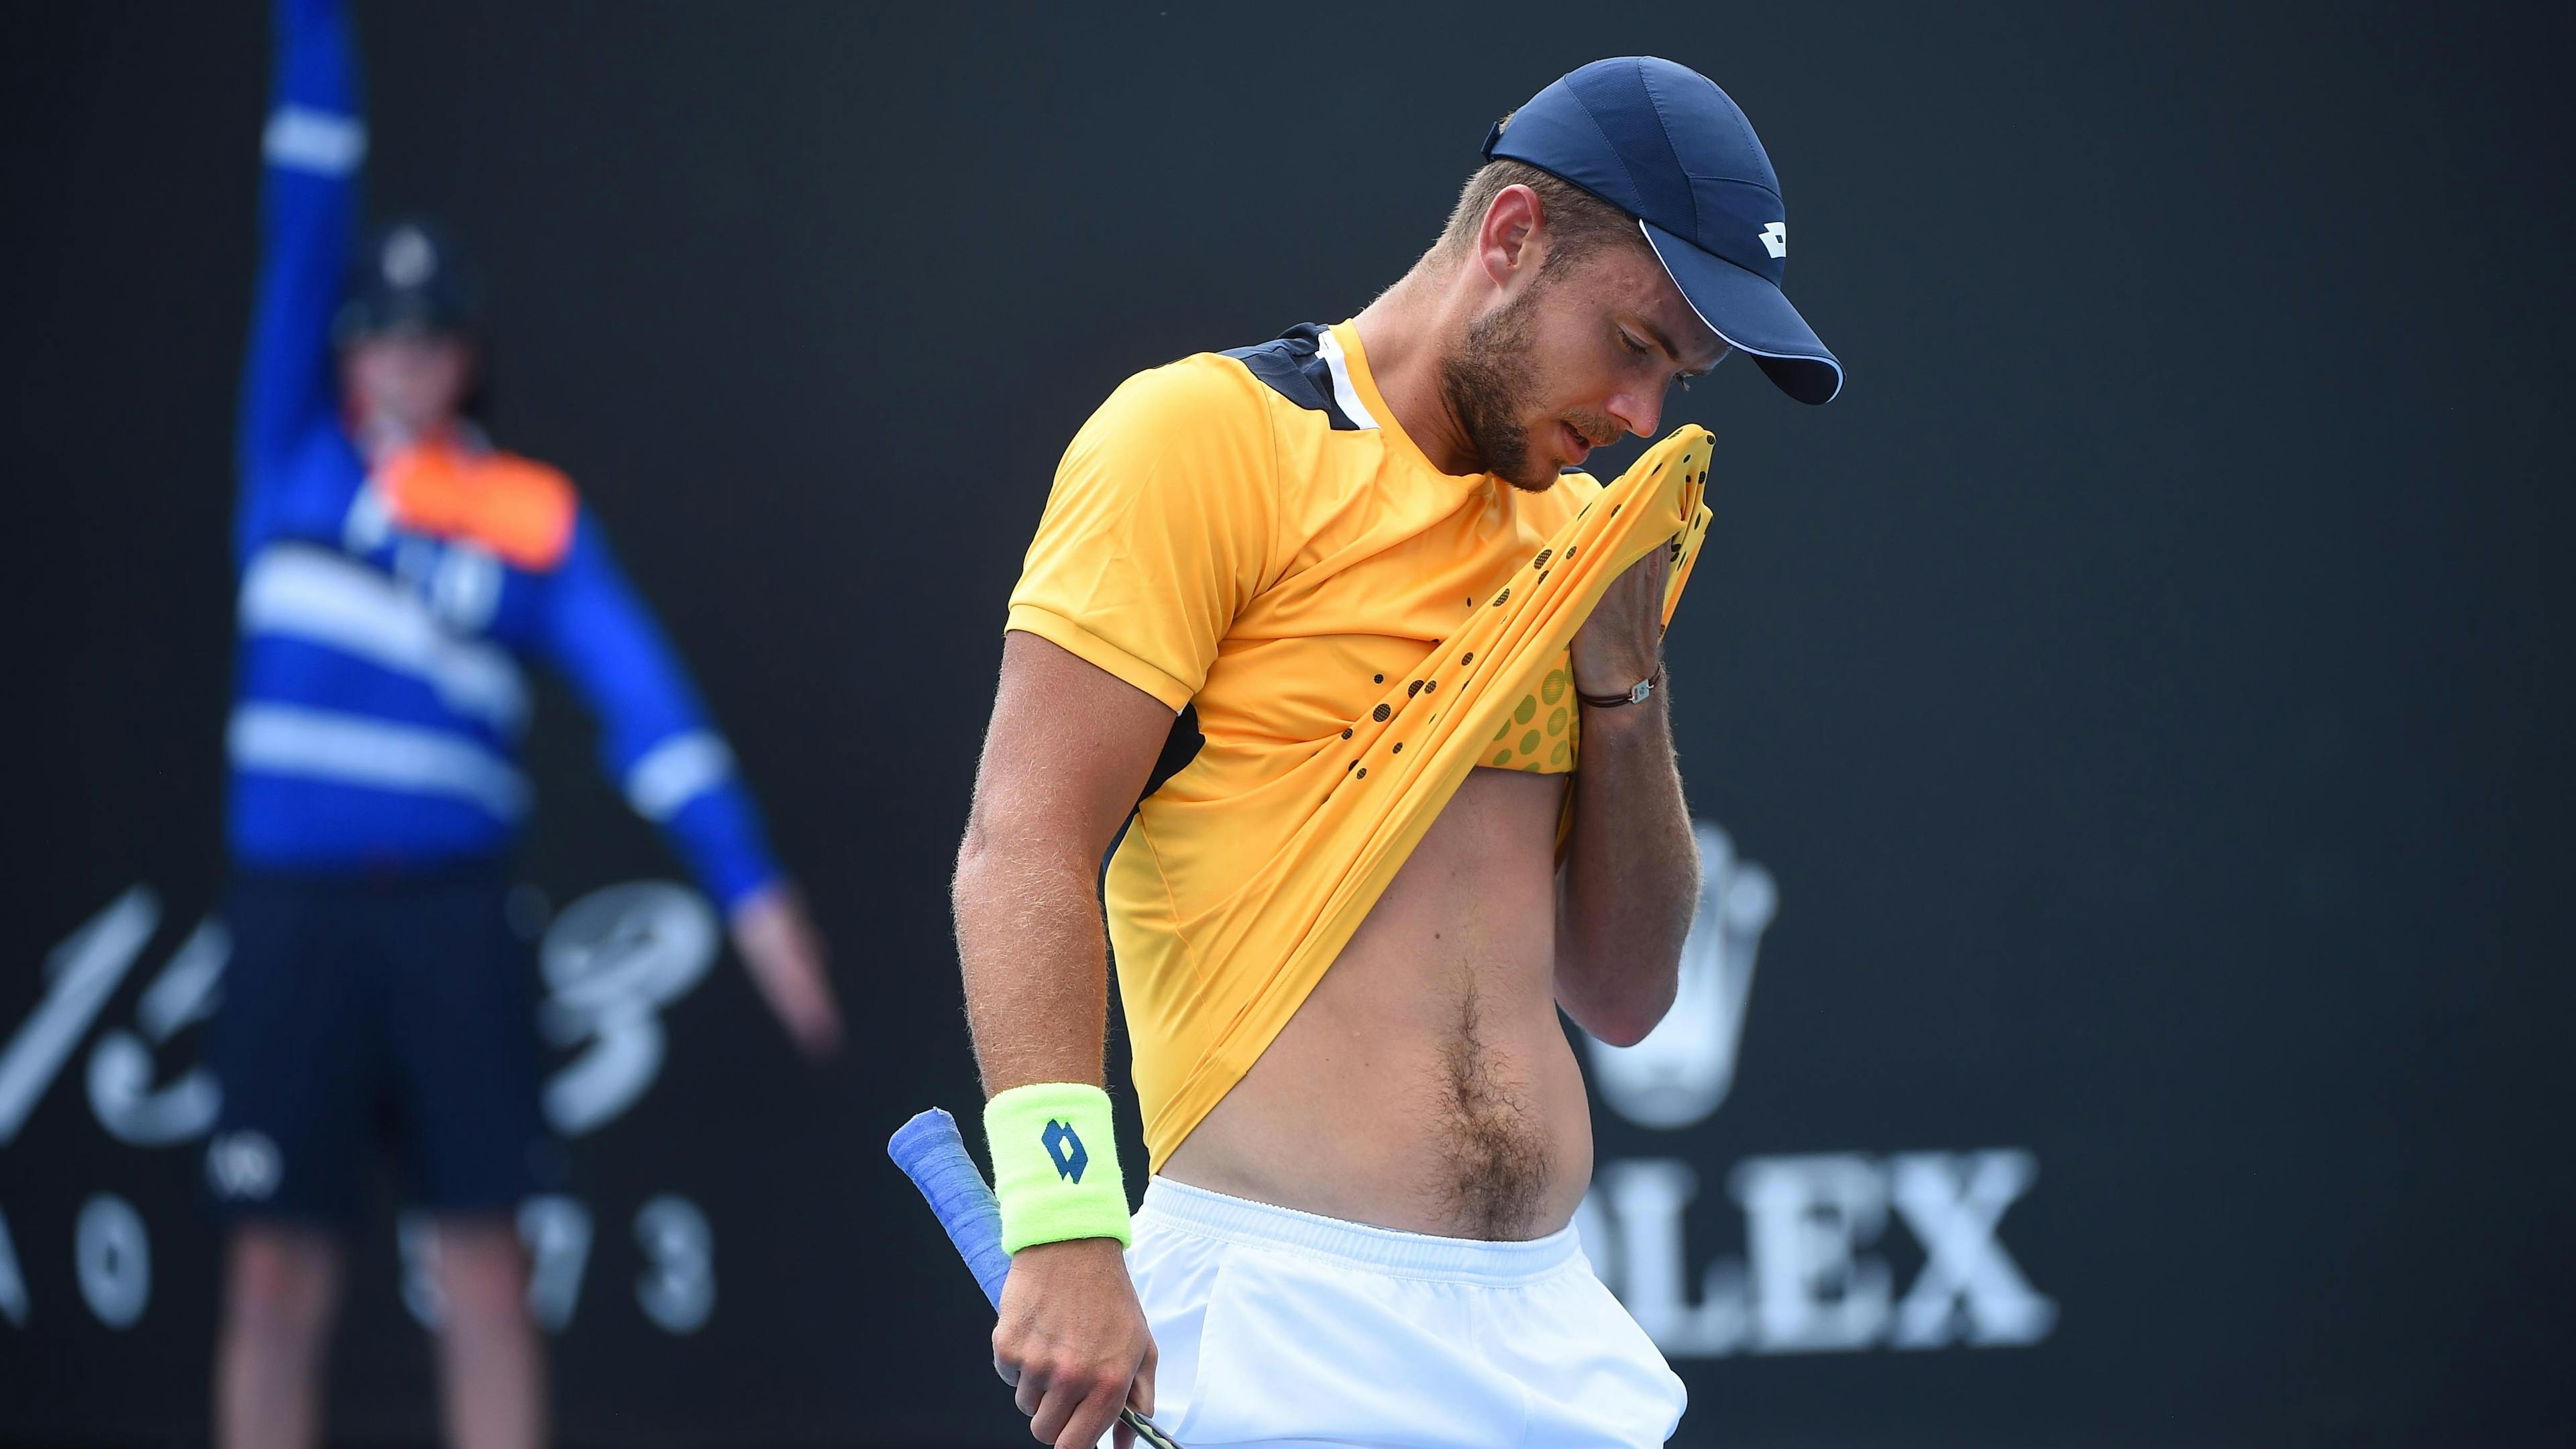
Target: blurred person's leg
491,1359
292,1048
460,1020
281,1286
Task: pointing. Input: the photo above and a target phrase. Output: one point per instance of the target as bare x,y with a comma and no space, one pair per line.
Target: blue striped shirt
380,698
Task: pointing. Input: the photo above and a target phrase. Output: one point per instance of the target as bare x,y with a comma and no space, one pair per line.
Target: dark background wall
2147,685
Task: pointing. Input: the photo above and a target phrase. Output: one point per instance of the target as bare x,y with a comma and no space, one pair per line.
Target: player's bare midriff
1425,1084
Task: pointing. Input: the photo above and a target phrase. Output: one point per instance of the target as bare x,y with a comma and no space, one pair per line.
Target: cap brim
1752,316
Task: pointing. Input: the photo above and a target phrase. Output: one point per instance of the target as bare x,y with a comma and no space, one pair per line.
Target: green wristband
1055,1165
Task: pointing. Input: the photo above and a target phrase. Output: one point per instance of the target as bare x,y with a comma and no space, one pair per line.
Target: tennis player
395,571
1358,1230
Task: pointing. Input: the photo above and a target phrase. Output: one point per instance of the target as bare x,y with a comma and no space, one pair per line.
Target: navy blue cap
1662,143
410,276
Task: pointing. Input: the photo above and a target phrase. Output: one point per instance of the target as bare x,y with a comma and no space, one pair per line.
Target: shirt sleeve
655,738
311,148
1159,528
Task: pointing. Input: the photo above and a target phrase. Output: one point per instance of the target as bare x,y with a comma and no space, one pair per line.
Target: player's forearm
1035,963
1630,878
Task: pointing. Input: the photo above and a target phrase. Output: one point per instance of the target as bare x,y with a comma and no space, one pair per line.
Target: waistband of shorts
1180,1207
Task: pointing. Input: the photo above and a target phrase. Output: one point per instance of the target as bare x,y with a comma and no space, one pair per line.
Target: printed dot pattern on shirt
1540,734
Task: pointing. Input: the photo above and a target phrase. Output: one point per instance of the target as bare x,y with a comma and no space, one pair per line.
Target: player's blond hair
1577,222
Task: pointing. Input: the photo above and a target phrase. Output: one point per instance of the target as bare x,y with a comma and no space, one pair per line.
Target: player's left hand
1623,641
784,954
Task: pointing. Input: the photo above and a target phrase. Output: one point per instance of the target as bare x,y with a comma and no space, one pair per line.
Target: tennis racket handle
933,1155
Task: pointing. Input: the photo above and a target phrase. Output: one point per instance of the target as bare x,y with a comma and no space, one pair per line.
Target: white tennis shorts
1281,1328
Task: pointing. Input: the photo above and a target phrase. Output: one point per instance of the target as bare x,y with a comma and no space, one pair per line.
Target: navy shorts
360,1014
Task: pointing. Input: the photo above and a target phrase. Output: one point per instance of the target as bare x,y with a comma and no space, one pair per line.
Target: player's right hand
1072,1339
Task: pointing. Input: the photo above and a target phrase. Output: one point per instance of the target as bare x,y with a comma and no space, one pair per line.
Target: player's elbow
998,866
1628,1024
976,857
1620,1035
1622,1003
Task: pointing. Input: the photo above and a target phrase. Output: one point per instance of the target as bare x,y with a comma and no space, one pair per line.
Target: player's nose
1637,412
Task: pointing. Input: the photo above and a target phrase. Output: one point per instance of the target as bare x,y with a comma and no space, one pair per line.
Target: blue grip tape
933,1155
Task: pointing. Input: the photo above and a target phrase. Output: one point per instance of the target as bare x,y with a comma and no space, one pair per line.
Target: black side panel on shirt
1294,370
1180,747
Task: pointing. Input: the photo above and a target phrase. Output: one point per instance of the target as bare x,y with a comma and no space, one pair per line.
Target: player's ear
1504,244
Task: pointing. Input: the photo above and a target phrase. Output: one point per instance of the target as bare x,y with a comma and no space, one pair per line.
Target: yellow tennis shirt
1251,534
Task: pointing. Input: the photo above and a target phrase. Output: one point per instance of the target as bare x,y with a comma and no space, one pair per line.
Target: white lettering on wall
113,1256
1953,1202
613,960
1812,1278
678,1289
1806,1221
80,974
13,1279
122,1068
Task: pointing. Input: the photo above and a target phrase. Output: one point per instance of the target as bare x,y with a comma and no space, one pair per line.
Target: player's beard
1487,381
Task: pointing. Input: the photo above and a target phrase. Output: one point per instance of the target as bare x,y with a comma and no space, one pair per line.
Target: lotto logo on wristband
1050,1189
1064,1149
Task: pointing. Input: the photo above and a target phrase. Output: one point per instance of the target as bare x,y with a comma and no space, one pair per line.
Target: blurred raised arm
313,142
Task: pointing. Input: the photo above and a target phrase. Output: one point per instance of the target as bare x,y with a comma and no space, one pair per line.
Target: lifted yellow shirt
1250,535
